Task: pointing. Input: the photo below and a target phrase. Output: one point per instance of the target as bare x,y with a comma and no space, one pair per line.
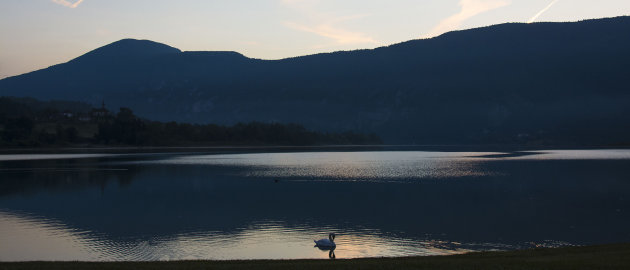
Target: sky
35,34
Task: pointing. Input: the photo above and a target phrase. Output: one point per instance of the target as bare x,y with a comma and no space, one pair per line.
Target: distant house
85,118
99,114
67,114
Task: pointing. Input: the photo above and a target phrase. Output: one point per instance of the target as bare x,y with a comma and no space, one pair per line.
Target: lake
172,206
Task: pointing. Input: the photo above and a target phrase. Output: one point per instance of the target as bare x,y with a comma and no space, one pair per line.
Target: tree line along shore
26,122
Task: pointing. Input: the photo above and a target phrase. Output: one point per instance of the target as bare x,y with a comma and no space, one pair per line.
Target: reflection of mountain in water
579,201
30,177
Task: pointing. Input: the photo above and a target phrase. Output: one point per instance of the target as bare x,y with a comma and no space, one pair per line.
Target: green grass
614,256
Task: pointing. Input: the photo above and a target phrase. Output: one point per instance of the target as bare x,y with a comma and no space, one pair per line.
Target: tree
17,129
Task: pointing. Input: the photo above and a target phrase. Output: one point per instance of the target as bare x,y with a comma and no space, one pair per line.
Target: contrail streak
67,3
533,19
468,9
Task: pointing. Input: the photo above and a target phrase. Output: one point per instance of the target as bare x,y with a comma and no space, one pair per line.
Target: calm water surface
273,205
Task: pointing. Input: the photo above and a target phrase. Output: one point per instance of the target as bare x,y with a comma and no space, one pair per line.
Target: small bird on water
326,243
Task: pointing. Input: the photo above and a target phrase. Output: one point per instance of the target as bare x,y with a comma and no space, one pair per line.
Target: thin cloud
325,26
292,2
469,9
533,19
67,3
339,35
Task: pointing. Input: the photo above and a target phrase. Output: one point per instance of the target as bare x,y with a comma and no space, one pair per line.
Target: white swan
326,243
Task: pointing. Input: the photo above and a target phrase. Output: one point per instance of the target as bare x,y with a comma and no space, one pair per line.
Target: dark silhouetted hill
540,83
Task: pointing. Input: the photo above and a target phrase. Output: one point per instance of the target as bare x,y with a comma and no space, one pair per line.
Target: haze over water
273,205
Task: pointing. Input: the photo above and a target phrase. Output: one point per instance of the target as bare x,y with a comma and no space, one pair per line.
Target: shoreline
608,256
290,148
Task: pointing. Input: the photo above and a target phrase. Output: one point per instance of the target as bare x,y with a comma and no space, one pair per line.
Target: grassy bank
614,256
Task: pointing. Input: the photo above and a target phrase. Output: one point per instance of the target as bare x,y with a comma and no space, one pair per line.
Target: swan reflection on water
327,244
331,251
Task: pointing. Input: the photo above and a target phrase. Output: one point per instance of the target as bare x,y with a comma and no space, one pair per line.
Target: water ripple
263,240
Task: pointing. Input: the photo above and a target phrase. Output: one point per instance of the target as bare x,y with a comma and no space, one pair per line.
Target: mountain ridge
504,83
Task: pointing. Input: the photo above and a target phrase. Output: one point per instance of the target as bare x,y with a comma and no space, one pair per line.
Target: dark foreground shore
613,256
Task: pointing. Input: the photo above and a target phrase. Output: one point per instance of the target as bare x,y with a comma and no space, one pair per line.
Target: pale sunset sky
35,34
